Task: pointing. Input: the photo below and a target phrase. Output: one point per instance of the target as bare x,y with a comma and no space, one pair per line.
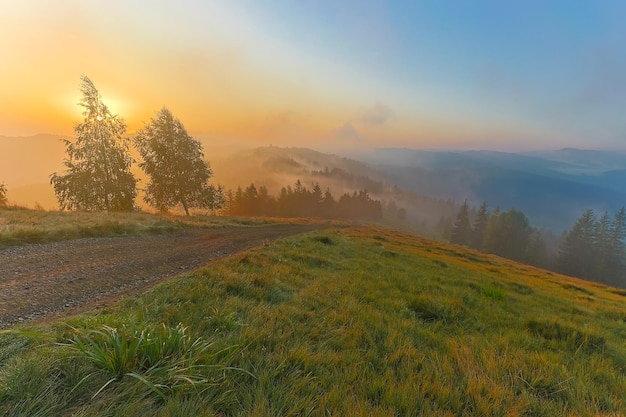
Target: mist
552,188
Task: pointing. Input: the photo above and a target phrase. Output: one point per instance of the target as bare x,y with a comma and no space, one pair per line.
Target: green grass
345,322
164,359
20,226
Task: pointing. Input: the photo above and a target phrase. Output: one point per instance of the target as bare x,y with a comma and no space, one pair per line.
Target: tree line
593,249
98,165
355,181
299,201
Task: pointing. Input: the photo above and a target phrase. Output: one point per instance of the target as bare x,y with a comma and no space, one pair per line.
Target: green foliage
98,163
462,229
479,228
594,248
298,201
508,235
174,162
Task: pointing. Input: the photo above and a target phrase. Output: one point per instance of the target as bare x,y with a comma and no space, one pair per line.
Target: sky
482,74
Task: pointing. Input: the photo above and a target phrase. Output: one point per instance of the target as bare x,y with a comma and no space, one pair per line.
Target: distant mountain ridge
586,159
552,188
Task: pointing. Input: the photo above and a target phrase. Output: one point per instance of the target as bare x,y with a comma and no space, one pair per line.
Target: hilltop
351,321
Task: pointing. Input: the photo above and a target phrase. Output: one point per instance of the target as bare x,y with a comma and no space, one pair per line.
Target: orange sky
212,81
322,74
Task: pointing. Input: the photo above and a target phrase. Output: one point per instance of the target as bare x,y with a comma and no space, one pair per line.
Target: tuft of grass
520,288
566,337
494,292
163,359
440,263
326,240
578,288
430,310
12,345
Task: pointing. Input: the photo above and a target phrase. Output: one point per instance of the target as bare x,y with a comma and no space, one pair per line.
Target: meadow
360,321
19,225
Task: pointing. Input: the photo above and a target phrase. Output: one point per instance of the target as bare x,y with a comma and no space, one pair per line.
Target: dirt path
42,281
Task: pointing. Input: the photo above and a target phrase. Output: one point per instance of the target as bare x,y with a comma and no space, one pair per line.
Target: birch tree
97,175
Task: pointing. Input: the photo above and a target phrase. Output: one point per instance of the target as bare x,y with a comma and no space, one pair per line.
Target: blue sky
555,70
504,75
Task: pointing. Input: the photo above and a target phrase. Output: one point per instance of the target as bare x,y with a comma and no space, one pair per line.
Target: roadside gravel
49,280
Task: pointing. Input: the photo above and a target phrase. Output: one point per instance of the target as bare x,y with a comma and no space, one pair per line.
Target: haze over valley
552,187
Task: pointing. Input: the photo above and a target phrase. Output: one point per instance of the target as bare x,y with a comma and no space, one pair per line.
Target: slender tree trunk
184,203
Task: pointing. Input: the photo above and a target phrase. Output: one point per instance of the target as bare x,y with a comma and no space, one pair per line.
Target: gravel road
50,280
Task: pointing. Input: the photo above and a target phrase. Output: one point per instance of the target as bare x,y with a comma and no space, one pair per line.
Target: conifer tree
480,227
328,205
603,249
266,202
618,230
617,262
462,229
508,235
536,253
594,249
577,252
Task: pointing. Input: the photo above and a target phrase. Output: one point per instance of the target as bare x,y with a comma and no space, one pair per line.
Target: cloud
378,115
346,132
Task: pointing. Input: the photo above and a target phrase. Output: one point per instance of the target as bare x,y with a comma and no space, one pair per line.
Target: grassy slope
19,226
353,322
